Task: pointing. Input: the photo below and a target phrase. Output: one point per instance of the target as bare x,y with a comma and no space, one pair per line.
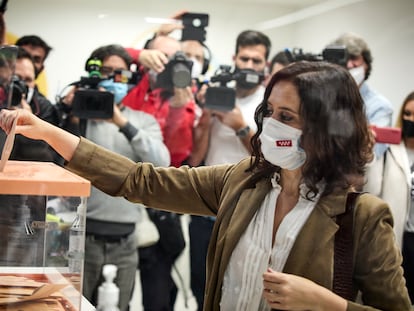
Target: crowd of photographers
166,113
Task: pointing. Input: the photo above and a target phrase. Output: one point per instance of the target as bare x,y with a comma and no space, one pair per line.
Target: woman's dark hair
335,134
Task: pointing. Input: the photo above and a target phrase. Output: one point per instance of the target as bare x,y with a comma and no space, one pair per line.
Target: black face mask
408,128
248,79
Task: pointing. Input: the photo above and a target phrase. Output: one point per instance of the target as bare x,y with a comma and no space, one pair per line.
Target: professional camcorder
91,103
177,73
223,97
336,54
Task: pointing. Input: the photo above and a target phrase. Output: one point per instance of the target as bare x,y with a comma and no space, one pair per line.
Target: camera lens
181,75
19,88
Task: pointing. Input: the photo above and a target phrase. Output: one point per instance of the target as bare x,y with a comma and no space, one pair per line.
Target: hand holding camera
91,101
166,29
177,73
192,26
223,97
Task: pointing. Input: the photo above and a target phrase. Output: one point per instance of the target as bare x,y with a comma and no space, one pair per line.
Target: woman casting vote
279,231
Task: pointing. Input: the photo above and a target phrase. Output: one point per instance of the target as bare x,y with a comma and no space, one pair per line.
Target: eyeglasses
107,71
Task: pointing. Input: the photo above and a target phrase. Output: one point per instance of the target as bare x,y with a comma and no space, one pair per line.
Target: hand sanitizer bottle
108,292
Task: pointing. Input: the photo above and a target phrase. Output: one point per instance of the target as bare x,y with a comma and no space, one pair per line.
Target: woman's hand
35,128
27,122
291,292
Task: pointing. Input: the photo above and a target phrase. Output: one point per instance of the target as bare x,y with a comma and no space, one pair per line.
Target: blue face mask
118,89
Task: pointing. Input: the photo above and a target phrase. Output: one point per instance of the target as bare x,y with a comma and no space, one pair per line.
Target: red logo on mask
283,143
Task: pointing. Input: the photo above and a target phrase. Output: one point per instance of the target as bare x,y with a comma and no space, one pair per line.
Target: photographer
110,221
173,106
231,130
26,96
379,110
167,95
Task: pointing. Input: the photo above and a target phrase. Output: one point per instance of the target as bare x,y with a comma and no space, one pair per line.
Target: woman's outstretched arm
32,127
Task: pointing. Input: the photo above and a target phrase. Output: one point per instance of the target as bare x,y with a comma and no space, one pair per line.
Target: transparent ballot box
42,237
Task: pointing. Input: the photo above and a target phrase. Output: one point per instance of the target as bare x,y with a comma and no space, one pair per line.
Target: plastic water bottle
108,292
76,250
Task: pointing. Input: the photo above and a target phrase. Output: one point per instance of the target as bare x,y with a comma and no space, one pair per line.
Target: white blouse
243,282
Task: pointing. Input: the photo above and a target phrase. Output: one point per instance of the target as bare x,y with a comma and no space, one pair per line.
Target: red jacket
176,123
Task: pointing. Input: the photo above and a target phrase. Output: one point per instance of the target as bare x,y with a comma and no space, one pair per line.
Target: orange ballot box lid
41,178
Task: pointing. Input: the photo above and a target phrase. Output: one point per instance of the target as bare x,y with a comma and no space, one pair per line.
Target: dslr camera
336,54
177,73
223,97
18,90
91,103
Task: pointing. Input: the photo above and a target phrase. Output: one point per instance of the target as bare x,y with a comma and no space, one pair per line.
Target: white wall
388,28
73,29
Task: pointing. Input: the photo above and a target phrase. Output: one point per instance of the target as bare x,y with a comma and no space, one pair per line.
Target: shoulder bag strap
343,251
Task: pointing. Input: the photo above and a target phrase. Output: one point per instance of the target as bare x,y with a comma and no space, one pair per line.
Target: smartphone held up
387,135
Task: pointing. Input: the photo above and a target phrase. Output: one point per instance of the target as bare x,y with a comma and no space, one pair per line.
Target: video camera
223,97
177,73
91,103
336,54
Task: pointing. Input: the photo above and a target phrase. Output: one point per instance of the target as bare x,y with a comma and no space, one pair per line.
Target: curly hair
335,132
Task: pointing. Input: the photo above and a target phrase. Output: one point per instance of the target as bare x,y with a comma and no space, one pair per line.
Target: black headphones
207,58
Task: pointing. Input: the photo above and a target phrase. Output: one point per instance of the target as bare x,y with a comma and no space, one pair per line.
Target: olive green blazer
227,191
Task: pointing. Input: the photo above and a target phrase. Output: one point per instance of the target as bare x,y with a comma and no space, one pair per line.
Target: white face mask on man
280,144
196,69
358,73
29,96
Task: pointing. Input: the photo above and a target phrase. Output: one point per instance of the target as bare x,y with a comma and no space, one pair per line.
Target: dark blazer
228,192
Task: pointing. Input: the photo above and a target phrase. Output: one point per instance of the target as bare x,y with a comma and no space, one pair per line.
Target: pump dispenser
108,292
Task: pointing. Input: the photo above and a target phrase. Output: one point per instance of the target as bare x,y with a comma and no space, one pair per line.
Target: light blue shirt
379,112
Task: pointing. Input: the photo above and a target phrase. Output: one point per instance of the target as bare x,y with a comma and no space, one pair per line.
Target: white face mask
358,73
196,69
29,95
280,144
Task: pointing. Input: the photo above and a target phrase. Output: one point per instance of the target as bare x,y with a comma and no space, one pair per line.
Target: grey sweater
146,145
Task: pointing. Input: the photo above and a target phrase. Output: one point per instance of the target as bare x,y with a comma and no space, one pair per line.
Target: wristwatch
243,132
